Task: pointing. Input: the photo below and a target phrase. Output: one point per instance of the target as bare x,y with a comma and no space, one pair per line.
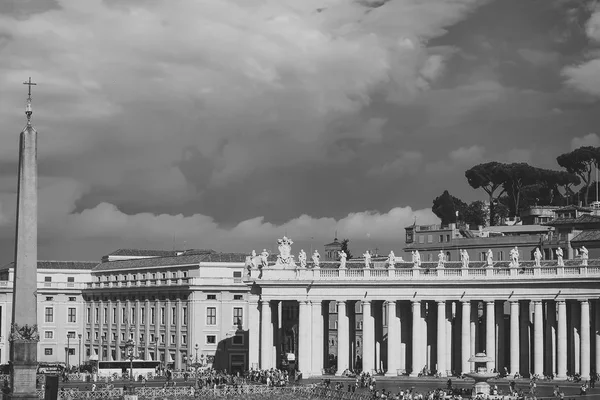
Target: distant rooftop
143,253
516,228
85,265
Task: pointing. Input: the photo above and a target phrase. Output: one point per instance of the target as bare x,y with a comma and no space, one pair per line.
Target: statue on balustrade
343,256
316,258
441,259
256,261
584,256
416,259
464,258
285,257
559,257
302,258
537,256
367,257
490,258
514,257
391,260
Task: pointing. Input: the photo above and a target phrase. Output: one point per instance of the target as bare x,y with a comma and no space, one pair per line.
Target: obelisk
24,335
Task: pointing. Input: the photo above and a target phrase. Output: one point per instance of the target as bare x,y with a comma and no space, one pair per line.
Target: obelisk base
23,370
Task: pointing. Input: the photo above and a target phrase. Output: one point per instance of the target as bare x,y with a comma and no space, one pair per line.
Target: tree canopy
581,162
345,248
489,177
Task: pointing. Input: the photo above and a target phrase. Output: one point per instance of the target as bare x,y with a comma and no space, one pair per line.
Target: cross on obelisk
28,110
24,335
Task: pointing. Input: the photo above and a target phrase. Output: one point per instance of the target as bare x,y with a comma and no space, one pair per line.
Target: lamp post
129,345
68,349
79,367
196,363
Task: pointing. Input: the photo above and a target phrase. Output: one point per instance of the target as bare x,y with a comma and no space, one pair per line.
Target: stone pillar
465,335
525,341
474,331
178,322
538,339
575,328
584,359
561,341
490,333
266,335
500,329
514,337
147,343
343,333
393,342
550,343
368,358
23,342
253,334
449,336
118,342
304,337
441,338
597,335
416,338
317,337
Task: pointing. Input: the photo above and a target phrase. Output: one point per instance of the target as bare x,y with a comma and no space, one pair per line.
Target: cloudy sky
226,124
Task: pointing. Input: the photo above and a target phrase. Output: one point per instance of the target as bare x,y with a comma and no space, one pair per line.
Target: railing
431,271
141,282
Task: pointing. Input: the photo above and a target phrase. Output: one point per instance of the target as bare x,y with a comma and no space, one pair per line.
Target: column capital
561,302
341,302
415,301
490,301
365,302
304,302
390,302
513,302
440,302
584,301
539,301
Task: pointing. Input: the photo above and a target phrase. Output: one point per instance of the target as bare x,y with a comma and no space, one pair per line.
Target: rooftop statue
302,258
257,261
367,257
514,257
343,256
464,258
584,256
490,258
316,258
285,257
391,260
537,256
441,259
559,257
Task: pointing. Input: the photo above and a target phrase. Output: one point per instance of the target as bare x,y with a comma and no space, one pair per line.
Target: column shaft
368,358
266,348
343,333
441,338
317,337
514,337
490,333
538,339
561,345
393,342
597,335
416,338
465,335
253,334
304,337
584,359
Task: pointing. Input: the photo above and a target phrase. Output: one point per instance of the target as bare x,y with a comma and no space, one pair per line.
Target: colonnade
531,337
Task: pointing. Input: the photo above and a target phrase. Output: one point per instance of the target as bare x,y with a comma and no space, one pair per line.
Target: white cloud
406,162
591,139
64,233
468,155
518,156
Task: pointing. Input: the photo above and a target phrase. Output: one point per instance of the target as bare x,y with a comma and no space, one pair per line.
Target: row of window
214,297
70,279
50,334
51,298
133,317
71,314
142,276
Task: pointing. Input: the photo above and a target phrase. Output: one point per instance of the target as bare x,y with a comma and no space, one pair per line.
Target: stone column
490,333
416,338
119,325
147,343
317,337
597,334
465,336
538,339
449,335
561,342
584,359
253,334
304,337
441,338
343,333
474,331
514,337
368,358
550,344
178,321
266,335
501,347
393,342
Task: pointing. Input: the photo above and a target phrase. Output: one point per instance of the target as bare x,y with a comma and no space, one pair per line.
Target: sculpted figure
256,261
441,259
464,258
367,257
490,258
302,258
342,254
391,260
285,256
584,256
514,257
537,256
417,259
559,256
316,258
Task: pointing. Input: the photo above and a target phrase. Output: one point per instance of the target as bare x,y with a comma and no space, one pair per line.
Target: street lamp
68,349
129,346
79,352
